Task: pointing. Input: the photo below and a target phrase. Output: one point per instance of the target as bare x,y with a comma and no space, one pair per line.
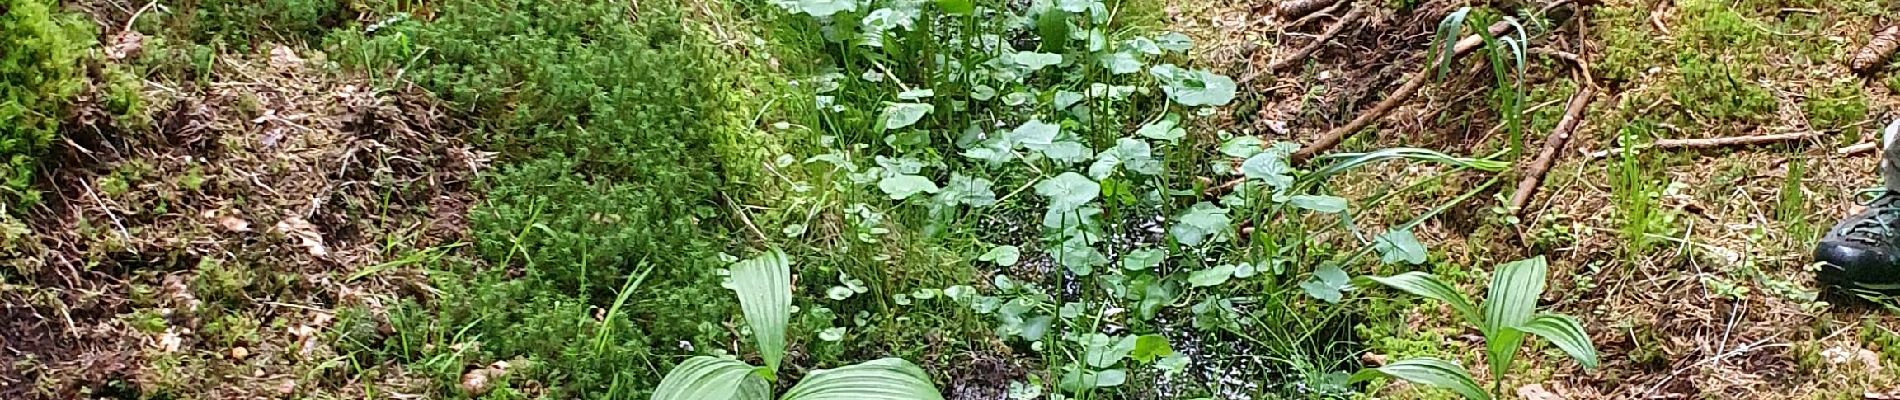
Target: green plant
1508,314
39,73
763,285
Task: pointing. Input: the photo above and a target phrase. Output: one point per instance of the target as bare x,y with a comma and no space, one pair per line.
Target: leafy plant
763,285
1509,313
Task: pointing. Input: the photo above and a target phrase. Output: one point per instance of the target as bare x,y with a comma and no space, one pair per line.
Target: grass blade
1429,372
1429,286
1564,332
764,286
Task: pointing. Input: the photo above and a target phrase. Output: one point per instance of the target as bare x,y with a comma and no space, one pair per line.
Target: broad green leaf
1564,332
1269,167
1201,223
1064,99
1327,282
1211,276
1067,151
1020,391
1077,380
901,187
1143,259
881,379
764,286
1243,146
1074,6
1068,191
1034,134
1120,63
915,94
839,293
1428,286
1203,88
1006,256
1515,287
832,334
1165,130
1035,61
1104,355
1428,372
1172,364
899,115
1141,45
1174,41
1397,246
968,190
703,377
1149,347
1078,256
1319,203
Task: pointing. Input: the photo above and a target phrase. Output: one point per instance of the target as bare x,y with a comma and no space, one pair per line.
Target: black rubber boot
1863,251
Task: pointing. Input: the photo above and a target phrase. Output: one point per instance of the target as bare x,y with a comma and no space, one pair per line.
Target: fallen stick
1379,111
1404,92
1304,52
1553,148
1670,144
1857,149
1294,9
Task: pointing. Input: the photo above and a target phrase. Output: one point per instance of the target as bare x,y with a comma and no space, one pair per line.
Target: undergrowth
40,72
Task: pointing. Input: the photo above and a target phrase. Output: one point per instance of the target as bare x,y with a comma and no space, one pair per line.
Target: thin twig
1553,148
1857,149
1404,92
1670,144
1304,52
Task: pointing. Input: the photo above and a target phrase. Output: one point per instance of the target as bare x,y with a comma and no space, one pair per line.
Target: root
1297,57
1294,9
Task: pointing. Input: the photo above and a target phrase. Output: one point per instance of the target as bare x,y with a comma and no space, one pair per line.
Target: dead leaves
305,234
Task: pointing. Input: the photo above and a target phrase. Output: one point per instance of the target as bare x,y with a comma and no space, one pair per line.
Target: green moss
39,75
1838,106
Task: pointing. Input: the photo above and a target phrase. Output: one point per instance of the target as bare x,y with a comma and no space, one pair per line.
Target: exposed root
1553,148
1857,149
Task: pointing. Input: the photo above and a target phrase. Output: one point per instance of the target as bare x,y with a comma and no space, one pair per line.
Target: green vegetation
39,74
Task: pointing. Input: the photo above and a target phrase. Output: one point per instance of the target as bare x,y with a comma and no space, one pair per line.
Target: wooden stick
1304,52
1670,144
1857,149
1294,9
1411,86
1553,148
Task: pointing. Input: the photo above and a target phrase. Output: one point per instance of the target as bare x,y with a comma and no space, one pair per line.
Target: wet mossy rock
39,74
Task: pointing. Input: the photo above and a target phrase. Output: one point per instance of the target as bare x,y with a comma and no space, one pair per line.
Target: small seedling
1509,313
764,287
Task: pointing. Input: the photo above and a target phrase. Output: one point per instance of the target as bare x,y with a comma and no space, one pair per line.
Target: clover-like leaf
1035,61
1174,41
1068,191
1212,276
1203,222
1120,63
901,187
1400,245
1327,283
1006,256
1166,130
1143,259
899,115
1034,134
967,190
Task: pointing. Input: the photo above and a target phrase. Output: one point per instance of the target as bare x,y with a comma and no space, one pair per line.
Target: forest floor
307,208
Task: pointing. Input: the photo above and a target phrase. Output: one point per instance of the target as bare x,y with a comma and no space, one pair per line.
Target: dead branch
1553,148
1678,144
1294,9
1404,92
1878,50
1350,18
1857,149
